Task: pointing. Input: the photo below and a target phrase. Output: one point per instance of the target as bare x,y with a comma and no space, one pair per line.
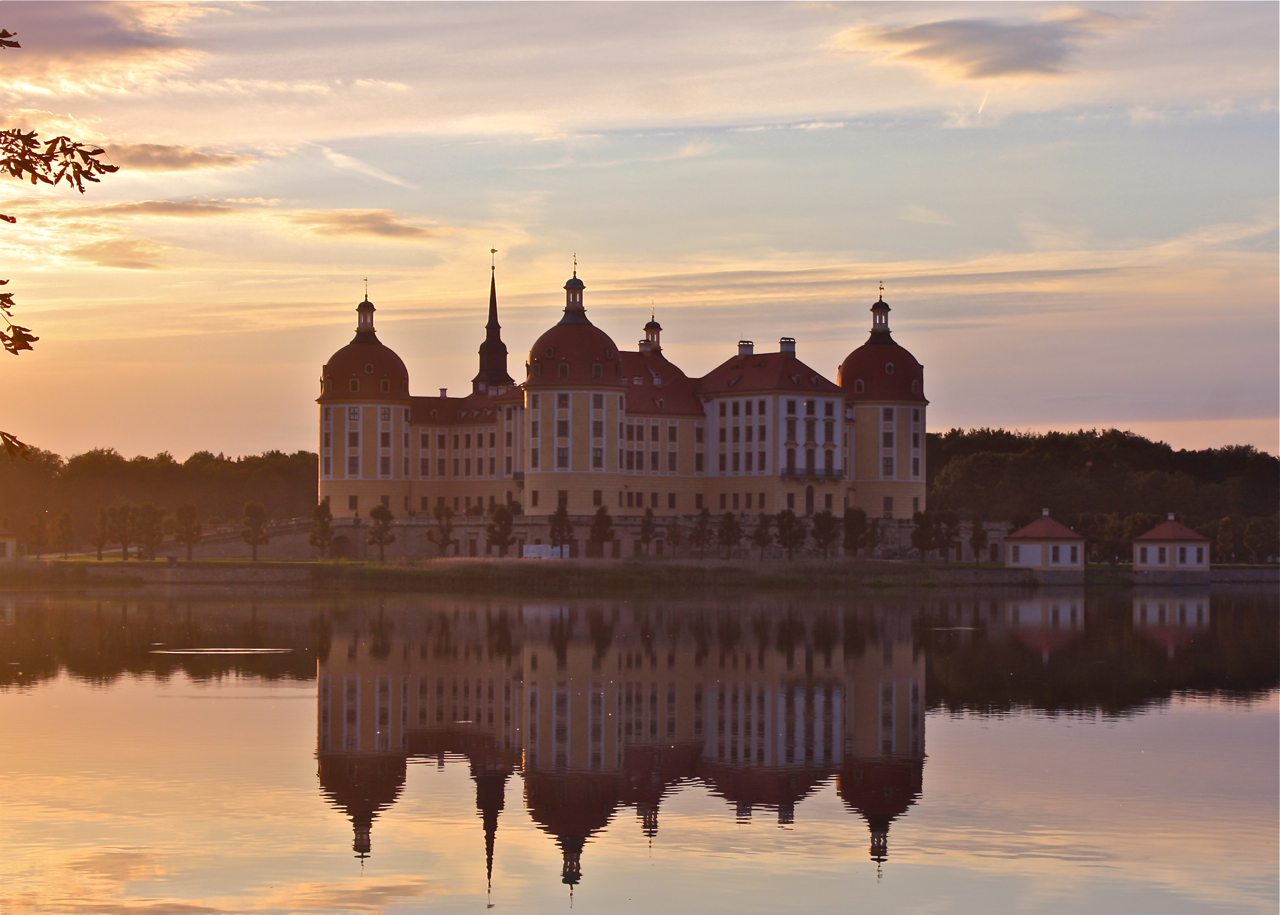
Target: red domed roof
575,351
364,369
887,372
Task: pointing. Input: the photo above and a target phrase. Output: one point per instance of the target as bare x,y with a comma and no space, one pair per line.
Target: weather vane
575,263
882,290
493,259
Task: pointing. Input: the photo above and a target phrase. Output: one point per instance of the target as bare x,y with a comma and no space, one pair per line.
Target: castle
594,425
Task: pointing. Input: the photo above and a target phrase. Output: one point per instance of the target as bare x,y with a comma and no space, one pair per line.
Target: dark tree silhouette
826,531
186,527
498,533
380,530
561,527
442,536
762,537
254,527
321,536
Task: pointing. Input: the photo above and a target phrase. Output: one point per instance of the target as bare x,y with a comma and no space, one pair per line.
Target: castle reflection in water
608,707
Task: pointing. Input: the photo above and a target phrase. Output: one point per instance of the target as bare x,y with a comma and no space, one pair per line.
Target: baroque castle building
594,425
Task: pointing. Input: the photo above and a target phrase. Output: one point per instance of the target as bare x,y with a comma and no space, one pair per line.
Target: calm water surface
947,753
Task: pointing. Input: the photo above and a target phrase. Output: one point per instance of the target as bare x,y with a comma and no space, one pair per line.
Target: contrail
984,102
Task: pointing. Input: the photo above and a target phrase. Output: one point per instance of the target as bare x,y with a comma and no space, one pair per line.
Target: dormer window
355,384
858,386
597,370
368,369
915,387
386,386
563,370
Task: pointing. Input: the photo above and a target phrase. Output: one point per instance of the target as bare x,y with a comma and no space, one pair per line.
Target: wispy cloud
987,48
123,253
178,208
158,157
338,160
378,223
914,213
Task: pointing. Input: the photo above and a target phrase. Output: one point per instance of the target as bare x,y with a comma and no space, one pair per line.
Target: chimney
444,392
1045,512
1170,516
746,348
787,346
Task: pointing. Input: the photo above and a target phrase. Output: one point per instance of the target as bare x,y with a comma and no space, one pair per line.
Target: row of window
1162,557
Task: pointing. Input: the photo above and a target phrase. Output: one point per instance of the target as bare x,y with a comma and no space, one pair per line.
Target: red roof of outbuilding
675,395
1172,531
764,372
1045,528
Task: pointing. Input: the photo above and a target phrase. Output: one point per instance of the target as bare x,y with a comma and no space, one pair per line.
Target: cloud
347,162
123,253
379,223
178,208
986,48
915,213
156,157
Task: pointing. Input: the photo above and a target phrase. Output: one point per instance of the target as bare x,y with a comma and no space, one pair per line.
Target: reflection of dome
881,790
365,369
650,771
574,351
880,369
746,787
572,807
362,786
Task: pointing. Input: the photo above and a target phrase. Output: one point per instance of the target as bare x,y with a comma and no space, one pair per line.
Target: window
697,463
809,434
858,386
915,439
1142,555
440,467
1199,555
1015,554
467,464
915,503
828,409
791,408
736,405
562,401
671,461
1075,555
533,429
533,404
597,498
886,468
385,386
563,370
385,440
791,430
809,406
355,384
829,431
888,368
1055,554
915,386
736,462
760,407
722,408
353,413
671,433
791,460
492,466
736,434
915,416
562,498
697,435
425,467
597,401
760,464
915,467
597,460
508,467
562,428
426,504
441,441
697,500
533,498
828,465
747,461
326,439
597,370
723,498
353,503
1162,555
467,441
887,414
508,441
748,430
326,414
457,441
723,462
671,500
327,465
562,458
597,428
888,507
808,460
353,439
533,458
760,437
791,501
746,407
723,433
493,439
1182,555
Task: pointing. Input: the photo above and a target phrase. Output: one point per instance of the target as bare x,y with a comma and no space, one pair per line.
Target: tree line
48,490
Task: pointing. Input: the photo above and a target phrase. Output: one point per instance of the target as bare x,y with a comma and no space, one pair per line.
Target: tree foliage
187,527
729,533
762,537
380,534
321,535
253,529
792,532
826,531
700,536
498,533
561,527
442,536
602,526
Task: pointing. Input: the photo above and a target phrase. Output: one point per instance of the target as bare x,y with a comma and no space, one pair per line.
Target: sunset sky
1073,209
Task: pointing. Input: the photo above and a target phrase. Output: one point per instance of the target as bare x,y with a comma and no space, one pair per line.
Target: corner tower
884,396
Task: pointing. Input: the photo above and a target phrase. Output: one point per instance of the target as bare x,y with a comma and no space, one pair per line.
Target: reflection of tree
790,634
825,636
761,628
380,631
560,634
498,637
728,633
601,632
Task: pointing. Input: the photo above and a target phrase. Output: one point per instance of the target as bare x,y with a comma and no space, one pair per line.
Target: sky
1073,208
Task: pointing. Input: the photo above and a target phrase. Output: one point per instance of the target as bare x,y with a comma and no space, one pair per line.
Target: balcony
811,473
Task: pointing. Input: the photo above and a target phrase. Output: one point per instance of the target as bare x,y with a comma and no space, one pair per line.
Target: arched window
563,369
537,370
915,387
888,368
597,370
386,386
355,384
858,386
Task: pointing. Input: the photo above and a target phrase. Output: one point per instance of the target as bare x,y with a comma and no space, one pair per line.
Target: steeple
574,311
880,320
492,376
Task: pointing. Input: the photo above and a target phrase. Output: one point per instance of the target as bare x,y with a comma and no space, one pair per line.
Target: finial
882,290
575,264
366,289
493,259
652,311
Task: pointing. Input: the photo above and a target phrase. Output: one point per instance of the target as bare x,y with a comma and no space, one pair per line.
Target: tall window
886,469
562,458
888,507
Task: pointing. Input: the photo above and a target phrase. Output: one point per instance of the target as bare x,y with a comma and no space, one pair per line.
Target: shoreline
594,577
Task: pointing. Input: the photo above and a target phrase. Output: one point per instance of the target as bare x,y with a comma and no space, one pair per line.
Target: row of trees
139,530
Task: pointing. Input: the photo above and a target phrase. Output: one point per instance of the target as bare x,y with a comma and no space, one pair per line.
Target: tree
674,535
321,536
37,536
24,156
602,528
1262,538
64,534
762,537
871,538
855,529
826,531
498,533
380,530
101,531
1224,546
978,538
120,525
923,536
700,536
946,533
792,532
648,530
185,527
442,536
149,523
729,533
561,527
254,530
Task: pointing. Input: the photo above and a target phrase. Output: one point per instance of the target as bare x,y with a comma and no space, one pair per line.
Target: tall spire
492,376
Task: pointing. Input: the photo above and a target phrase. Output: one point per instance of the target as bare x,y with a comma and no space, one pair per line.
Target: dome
574,352
653,325
575,283
887,372
364,369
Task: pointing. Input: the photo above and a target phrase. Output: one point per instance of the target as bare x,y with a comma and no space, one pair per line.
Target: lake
1056,751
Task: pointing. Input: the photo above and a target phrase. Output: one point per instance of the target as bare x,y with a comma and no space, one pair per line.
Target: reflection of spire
490,799
571,872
